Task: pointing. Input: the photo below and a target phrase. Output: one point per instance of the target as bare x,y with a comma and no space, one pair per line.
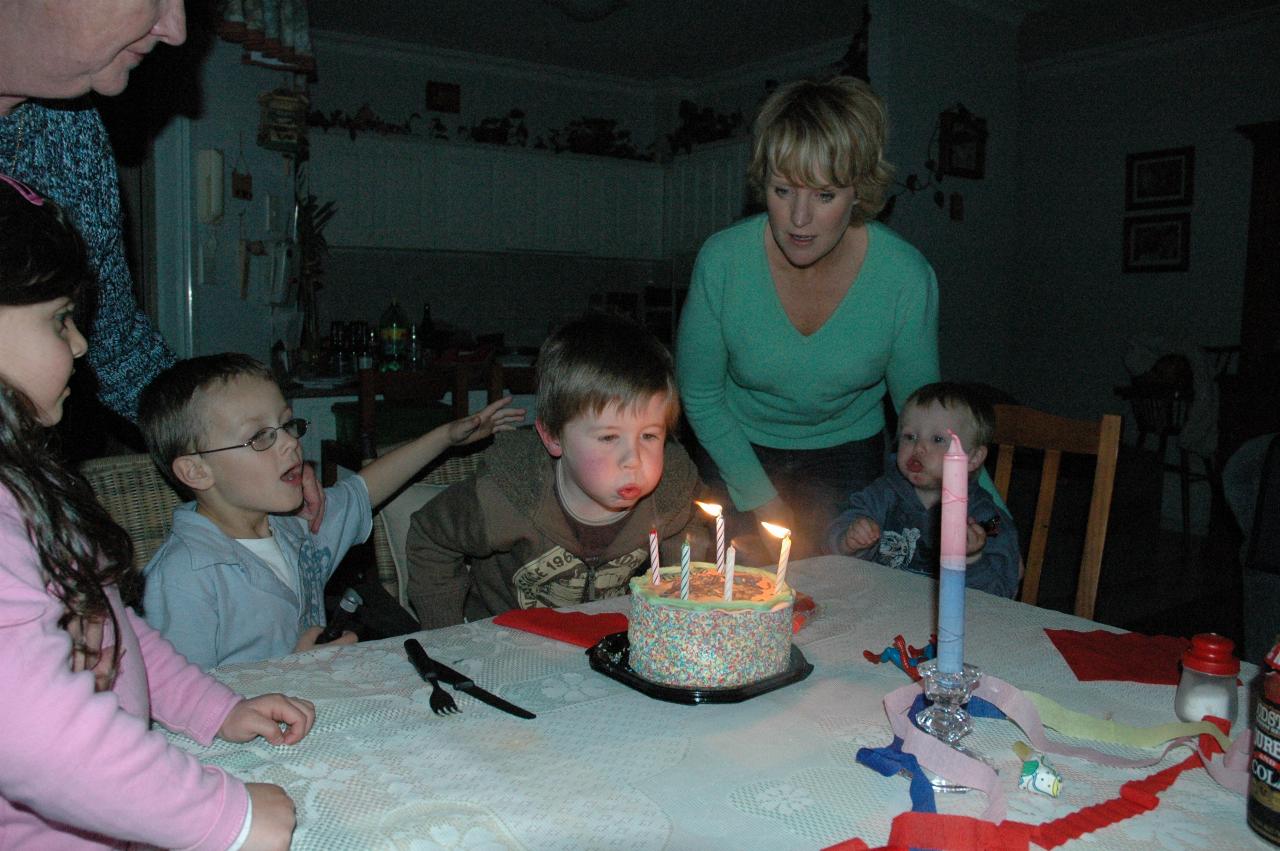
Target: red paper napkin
577,628
1127,656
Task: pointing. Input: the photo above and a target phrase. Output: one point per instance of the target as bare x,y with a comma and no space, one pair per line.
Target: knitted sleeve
64,153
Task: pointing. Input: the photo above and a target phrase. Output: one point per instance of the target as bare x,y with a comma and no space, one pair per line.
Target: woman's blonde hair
824,133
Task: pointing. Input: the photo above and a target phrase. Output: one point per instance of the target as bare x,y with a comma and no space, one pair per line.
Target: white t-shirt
268,549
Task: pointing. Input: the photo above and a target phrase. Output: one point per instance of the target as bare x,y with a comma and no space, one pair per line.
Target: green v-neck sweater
748,376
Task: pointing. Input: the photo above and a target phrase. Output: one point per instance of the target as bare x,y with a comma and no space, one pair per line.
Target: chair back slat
1022,427
1104,481
1040,526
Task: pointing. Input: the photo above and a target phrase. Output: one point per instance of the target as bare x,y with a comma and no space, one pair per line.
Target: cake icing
707,641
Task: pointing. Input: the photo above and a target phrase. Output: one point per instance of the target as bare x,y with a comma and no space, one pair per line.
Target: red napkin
1127,656
577,628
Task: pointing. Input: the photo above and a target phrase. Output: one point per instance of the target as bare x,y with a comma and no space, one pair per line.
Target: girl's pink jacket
80,769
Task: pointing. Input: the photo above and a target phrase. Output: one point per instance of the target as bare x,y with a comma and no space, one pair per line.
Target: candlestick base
947,719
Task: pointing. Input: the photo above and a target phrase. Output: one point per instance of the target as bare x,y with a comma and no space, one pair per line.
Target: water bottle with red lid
1208,684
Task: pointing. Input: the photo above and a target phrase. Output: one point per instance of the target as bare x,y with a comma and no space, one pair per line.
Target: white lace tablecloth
604,766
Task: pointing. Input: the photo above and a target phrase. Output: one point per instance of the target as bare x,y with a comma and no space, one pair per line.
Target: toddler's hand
862,533
495,416
273,818
975,539
307,641
263,715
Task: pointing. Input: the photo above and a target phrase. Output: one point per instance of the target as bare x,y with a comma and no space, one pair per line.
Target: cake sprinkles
707,641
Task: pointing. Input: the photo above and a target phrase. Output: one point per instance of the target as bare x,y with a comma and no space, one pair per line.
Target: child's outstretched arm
385,475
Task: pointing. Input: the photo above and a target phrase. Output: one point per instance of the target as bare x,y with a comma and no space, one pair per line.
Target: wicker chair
137,497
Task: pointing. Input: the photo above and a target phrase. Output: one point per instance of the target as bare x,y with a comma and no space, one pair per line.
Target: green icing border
641,586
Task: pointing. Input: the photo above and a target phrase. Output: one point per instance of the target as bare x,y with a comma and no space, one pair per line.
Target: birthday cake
706,641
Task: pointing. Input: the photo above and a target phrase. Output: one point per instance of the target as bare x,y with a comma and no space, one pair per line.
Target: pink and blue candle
955,523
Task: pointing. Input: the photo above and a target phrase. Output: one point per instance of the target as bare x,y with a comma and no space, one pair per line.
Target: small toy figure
903,655
1037,774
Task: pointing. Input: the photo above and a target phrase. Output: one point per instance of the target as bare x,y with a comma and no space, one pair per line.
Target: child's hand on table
263,715
862,533
273,818
307,641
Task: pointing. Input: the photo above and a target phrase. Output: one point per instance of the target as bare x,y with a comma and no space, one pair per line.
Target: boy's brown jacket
500,541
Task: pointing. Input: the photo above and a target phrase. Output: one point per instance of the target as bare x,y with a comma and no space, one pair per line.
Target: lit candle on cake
655,560
718,513
783,557
955,523
730,556
684,569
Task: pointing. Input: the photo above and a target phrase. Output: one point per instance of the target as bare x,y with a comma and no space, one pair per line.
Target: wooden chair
1160,400
425,385
1021,427
137,497
1262,563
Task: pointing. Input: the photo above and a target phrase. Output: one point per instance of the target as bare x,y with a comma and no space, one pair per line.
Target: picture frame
1158,243
1164,178
444,97
962,144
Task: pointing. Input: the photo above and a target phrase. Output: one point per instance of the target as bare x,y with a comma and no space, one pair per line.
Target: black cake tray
610,655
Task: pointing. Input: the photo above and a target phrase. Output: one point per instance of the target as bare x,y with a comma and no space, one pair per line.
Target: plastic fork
441,702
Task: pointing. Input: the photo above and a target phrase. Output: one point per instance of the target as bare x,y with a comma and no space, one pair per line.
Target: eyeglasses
265,439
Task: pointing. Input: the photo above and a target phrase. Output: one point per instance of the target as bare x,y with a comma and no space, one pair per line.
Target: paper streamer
1229,771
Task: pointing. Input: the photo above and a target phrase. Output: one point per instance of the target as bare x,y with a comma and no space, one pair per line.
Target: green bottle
393,328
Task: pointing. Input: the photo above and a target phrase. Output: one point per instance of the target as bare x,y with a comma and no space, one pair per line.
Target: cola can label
1264,763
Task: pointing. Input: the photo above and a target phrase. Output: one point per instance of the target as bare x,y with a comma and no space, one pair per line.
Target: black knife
425,665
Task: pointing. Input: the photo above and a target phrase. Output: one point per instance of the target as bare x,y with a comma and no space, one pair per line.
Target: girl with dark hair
83,676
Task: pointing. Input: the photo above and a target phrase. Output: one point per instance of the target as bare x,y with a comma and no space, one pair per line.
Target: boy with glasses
241,578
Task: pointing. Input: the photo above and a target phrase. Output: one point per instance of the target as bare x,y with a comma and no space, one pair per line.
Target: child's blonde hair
828,133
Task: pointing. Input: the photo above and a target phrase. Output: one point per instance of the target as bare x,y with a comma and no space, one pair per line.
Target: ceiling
691,39
644,39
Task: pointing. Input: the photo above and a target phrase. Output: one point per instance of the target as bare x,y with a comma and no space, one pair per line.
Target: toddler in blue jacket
895,520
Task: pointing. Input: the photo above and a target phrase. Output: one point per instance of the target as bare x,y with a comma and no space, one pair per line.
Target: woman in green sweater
798,321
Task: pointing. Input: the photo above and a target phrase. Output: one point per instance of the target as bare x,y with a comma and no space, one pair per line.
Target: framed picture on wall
1159,243
1159,178
962,143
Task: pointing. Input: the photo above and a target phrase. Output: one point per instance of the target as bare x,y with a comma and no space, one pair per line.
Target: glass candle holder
947,719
